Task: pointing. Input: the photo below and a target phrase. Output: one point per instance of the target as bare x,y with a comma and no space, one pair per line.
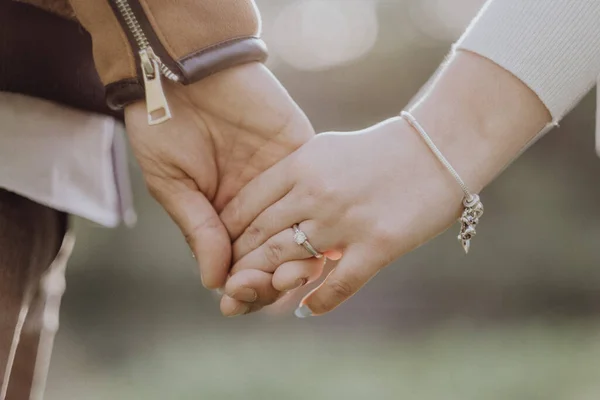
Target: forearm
480,116
553,46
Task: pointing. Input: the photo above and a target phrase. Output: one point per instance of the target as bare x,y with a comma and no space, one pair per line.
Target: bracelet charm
469,220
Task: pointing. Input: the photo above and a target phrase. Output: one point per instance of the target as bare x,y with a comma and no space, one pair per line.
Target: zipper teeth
170,75
140,37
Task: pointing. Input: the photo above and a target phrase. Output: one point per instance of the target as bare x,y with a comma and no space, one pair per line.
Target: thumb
203,230
351,274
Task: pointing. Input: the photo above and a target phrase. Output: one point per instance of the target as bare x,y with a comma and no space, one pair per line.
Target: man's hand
225,130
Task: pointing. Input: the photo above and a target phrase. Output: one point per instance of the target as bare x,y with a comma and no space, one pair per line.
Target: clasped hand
238,164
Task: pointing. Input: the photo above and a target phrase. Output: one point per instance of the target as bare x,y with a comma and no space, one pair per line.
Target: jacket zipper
152,68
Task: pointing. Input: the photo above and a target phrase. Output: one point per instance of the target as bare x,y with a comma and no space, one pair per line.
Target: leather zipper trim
150,34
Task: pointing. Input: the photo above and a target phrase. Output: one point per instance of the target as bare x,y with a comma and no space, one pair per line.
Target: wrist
247,97
138,44
480,116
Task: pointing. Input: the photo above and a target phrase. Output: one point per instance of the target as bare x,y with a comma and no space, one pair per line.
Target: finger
252,286
352,273
233,308
334,255
282,248
263,191
203,230
295,274
276,218
290,300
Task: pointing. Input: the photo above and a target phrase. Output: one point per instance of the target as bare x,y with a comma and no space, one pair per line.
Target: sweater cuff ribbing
553,46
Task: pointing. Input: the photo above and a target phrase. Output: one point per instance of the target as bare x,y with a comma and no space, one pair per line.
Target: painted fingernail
245,294
240,310
303,311
299,283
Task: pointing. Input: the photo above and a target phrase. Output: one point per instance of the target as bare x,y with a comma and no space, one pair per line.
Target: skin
225,130
376,194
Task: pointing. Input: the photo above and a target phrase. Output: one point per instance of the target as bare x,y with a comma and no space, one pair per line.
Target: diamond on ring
300,237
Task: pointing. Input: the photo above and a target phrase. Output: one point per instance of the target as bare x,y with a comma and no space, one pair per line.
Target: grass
529,362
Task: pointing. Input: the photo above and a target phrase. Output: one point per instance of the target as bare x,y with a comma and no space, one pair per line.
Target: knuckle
317,190
253,236
329,194
335,293
311,193
340,289
208,224
273,253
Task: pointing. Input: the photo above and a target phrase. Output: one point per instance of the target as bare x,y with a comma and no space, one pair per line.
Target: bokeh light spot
317,34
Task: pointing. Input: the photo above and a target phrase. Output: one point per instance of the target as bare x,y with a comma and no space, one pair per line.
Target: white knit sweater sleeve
553,46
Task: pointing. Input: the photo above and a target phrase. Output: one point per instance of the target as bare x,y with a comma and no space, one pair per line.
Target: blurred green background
516,319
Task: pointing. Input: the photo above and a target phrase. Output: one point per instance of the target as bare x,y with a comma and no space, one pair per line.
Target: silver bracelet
472,203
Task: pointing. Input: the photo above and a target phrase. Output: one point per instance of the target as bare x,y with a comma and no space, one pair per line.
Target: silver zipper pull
156,102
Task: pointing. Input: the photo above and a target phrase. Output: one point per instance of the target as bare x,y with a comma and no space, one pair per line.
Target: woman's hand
371,195
376,194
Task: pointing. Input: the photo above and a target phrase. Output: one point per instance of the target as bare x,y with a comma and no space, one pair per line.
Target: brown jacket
31,62
138,42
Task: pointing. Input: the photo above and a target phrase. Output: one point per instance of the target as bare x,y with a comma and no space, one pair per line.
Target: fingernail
299,283
303,311
220,291
240,310
245,294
